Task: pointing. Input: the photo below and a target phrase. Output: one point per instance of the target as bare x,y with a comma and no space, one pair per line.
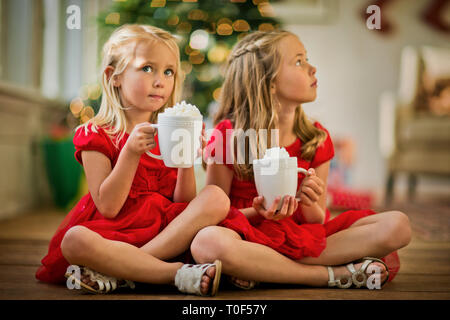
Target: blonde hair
247,101
118,52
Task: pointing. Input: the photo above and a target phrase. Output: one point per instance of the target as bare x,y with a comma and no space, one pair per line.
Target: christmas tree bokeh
207,31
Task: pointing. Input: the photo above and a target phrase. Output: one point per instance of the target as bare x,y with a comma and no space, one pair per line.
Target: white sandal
189,276
357,277
106,284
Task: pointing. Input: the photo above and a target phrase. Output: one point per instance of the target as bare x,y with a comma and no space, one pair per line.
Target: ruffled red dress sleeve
325,151
93,139
218,144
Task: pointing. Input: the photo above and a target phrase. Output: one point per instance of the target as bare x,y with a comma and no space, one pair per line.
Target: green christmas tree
208,30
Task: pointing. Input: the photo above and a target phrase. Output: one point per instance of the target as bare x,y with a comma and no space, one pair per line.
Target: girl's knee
209,244
403,228
218,201
398,230
76,242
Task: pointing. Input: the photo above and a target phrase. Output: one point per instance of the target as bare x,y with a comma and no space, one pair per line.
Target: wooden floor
424,274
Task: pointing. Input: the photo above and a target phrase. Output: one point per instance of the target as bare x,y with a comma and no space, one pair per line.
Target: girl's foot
199,279
205,283
240,282
344,275
86,279
343,272
243,284
95,282
207,279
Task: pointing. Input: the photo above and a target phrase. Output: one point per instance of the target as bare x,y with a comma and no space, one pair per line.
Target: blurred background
383,74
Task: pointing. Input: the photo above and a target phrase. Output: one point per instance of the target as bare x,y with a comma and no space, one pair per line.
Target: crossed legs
85,247
375,235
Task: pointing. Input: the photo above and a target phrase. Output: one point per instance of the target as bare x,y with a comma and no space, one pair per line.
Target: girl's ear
109,71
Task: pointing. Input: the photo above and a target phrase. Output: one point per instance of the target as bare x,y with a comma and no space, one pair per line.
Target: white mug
179,139
276,178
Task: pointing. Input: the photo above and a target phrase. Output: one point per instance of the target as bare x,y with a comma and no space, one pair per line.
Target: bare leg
247,260
121,260
84,247
376,236
208,208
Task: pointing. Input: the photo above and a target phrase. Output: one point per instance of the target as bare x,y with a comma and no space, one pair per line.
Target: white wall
354,66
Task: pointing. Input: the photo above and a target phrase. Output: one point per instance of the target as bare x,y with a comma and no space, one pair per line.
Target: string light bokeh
207,29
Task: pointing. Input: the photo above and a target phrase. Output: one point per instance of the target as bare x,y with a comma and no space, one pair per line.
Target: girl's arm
109,188
221,176
186,188
314,211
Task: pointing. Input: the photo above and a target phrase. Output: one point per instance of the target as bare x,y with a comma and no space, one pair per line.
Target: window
19,42
38,51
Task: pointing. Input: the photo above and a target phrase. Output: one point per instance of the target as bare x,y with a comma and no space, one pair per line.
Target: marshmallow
276,153
183,109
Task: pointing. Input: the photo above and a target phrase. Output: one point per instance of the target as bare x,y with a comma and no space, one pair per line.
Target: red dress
292,236
146,211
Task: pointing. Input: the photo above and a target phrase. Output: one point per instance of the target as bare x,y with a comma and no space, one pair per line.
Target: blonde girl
138,213
267,80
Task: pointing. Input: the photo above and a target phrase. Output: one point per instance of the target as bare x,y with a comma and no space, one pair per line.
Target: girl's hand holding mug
289,206
311,189
142,138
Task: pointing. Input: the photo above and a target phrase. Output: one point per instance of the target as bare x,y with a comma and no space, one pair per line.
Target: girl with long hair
267,80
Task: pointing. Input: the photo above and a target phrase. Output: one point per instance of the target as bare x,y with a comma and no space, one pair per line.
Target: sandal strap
189,276
106,283
337,282
351,268
383,263
370,260
331,277
362,272
355,274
